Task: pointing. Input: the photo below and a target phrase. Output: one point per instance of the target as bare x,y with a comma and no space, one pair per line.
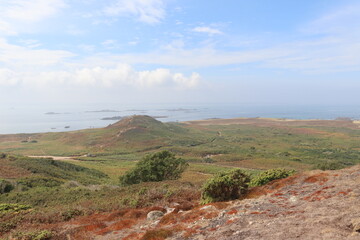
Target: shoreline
239,120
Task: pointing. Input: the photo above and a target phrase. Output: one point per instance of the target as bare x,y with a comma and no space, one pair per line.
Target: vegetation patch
330,166
38,181
270,175
154,168
61,170
36,235
5,186
13,208
225,186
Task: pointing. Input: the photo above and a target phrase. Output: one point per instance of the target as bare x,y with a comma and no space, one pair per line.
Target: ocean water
33,119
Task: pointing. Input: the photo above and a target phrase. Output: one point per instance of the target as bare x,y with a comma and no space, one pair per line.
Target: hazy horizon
144,52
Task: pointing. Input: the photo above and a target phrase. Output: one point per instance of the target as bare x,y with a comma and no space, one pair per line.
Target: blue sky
179,51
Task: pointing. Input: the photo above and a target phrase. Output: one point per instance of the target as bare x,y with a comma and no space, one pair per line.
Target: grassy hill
246,143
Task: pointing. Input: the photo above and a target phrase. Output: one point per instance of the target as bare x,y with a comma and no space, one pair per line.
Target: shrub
37,235
71,213
32,182
209,160
5,186
12,208
270,175
330,166
2,155
154,168
225,186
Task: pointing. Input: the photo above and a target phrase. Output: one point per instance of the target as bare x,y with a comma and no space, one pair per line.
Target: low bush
71,213
13,208
36,235
330,166
225,186
32,182
154,168
270,175
5,186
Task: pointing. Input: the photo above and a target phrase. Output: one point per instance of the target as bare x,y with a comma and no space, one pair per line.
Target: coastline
257,121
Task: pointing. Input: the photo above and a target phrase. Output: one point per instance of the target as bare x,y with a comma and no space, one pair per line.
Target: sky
179,51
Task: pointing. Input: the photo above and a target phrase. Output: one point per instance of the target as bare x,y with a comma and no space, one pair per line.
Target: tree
154,168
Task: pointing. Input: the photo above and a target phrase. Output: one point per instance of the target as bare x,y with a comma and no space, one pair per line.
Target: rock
356,225
208,208
154,215
293,199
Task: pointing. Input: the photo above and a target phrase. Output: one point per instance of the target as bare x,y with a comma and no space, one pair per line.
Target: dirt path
55,157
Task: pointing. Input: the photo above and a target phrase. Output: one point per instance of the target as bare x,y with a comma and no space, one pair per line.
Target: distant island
112,118
181,110
52,113
159,116
102,111
119,117
55,113
136,110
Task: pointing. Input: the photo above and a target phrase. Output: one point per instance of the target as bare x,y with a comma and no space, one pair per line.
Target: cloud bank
121,75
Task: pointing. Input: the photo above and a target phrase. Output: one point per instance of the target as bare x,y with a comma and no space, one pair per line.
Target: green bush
5,186
12,208
225,186
330,166
37,235
270,175
37,181
154,168
71,213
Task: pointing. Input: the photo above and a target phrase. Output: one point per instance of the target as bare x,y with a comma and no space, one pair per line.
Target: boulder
154,215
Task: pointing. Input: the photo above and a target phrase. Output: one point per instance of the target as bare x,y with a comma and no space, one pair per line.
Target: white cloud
7,77
15,14
208,30
121,75
19,57
187,82
147,11
30,43
110,44
342,20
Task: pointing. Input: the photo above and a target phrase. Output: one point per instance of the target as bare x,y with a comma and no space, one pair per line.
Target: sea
36,119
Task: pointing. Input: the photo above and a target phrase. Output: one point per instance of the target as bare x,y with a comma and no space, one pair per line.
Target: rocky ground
313,205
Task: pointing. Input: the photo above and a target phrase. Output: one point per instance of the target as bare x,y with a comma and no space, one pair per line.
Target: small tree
154,168
225,186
